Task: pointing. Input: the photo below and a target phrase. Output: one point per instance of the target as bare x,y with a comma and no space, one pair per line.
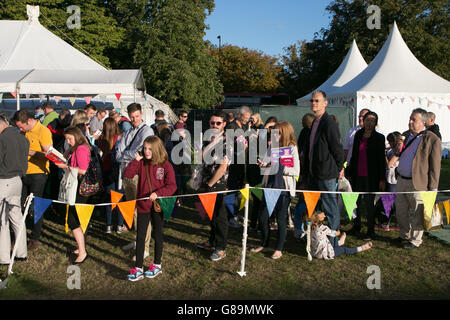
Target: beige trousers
411,226
11,216
130,191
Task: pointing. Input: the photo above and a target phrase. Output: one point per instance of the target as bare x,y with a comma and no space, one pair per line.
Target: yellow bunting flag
84,213
115,198
245,196
428,199
311,199
67,215
447,210
127,210
208,201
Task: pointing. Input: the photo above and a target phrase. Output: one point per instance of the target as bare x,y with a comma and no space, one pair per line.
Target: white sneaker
146,254
131,245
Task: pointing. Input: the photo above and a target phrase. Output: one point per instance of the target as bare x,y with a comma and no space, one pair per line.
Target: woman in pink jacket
153,158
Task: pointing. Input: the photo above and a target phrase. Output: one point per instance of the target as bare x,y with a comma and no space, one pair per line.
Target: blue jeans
338,250
328,203
299,209
108,208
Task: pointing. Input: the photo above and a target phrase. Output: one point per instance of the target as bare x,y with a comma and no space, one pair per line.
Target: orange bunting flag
311,199
84,213
127,210
115,198
208,201
447,210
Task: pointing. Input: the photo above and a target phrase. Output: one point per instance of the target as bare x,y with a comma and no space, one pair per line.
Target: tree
171,51
244,70
424,26
98,31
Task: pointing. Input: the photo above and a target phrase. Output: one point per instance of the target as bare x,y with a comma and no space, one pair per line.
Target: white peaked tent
351,66
33,60
394,84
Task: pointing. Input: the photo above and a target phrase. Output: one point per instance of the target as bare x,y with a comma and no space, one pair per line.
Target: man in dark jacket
433,127
325,158
13,166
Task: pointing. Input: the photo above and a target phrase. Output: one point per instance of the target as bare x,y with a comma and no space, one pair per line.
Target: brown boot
33,244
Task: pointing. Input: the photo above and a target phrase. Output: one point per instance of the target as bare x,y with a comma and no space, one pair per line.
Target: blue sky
266,25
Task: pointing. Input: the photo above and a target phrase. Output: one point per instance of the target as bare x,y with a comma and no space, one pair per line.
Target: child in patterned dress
321,247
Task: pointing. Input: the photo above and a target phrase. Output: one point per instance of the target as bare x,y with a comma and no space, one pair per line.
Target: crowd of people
135,159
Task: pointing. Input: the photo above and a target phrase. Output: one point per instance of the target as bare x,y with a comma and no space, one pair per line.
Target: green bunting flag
257,192
350,202
167,205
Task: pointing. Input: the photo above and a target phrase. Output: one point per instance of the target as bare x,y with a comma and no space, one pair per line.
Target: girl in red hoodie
153,158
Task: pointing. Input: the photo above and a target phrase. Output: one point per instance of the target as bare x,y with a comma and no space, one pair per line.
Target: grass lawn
189,274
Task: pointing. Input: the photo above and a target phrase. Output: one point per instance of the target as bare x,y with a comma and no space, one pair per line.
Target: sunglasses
314,100
183,116
218,123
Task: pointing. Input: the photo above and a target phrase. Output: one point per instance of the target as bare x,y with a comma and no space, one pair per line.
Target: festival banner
115,198
127,209
208,201
271,197
428,198
40,205
388,201
84,213
349,200
311,199
167,205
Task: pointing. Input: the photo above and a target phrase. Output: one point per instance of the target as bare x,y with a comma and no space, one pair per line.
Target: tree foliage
244,70
424,26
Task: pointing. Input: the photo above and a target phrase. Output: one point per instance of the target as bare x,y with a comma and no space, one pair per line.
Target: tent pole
18,99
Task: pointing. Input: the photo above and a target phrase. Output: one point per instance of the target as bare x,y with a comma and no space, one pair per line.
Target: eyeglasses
184,116
218,123
314,100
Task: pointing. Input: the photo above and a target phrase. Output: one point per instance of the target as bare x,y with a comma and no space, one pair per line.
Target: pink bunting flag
87,99
14,94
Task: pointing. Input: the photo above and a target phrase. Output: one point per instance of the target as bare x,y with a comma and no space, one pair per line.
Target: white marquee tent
394,84
33,60
351,66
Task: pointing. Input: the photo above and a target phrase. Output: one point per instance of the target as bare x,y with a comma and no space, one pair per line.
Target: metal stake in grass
244,237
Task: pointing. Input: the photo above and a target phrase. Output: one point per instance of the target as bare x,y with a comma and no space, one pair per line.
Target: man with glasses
182,119
215,178
13,166
325,158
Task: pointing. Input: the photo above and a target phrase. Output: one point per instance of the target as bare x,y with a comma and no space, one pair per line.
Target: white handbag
69,186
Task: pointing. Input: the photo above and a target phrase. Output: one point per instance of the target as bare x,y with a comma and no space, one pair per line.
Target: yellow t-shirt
38,136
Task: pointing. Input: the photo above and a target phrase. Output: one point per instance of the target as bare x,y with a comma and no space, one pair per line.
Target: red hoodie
162,178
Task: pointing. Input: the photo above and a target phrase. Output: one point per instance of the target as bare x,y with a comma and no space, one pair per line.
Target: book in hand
284,154
55,156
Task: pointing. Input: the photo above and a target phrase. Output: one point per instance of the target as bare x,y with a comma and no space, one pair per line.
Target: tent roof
351,66
396,69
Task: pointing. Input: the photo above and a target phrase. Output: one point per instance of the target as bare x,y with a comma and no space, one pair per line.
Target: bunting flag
428,199
27,96
167,206
127,209
349,200
118,96
115,198
447,210
245,196
87,99
208,201
1,97
84,213
40,205
56,98
200,210
311,199
271,197
102,98
388,201
14,94
257,192
229,202
67,216
72,100
175,207
41,97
